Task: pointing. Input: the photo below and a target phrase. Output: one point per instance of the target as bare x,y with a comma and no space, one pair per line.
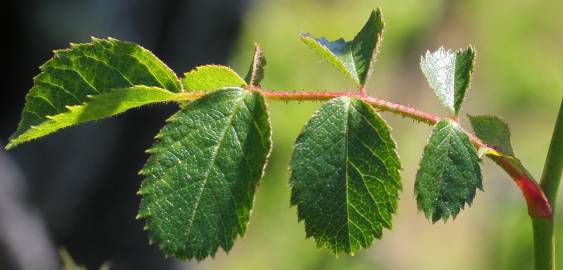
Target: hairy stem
538,206
378,103
544,240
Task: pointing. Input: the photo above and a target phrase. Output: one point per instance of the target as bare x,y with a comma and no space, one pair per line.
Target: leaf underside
345,175
203,171
449,172
98,107
84,70
354,57
256,71
211,77
449,74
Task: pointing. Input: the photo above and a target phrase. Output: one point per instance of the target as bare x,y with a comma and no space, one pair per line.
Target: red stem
378,103
538,205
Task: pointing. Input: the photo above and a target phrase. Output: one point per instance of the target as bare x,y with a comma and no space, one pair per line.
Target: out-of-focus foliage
68,262
523,88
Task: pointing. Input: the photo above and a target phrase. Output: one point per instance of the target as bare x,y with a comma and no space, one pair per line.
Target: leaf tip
377,14
304,35
10,146
255,72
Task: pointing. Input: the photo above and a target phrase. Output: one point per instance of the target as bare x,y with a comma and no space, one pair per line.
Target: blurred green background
76,189
519,77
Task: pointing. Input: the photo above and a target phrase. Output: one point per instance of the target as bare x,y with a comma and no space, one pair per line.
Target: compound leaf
345,175
449,74
72,75
203,171
355,57
449,172
211,77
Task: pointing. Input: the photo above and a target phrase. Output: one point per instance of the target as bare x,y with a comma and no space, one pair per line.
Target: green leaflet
449,172
84,70
354,57
68,262
97,107
211,77
345,175
256,71
493,131
449,74
203,171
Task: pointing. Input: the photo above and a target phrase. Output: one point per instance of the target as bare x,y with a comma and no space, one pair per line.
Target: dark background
77,188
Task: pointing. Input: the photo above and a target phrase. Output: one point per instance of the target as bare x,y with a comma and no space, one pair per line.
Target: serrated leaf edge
146,216
51,119
455,105
300,218
468,201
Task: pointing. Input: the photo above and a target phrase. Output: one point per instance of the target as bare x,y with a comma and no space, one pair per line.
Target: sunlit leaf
97,107
203,171
356,57
211,77
345,175
87,70
449,74
449,172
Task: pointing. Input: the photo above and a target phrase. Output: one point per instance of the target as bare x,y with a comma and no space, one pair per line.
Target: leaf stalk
538,205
